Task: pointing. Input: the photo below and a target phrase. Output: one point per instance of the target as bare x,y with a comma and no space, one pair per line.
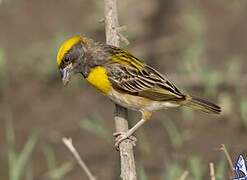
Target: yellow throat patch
66,46
99,79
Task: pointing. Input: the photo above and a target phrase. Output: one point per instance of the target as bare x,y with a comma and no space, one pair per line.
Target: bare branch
69,145
212,171
128,170
228,157
184,175
111,22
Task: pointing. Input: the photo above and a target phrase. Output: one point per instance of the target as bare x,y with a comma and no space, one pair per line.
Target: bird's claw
121,136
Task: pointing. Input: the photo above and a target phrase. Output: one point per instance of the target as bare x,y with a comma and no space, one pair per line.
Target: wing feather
144,81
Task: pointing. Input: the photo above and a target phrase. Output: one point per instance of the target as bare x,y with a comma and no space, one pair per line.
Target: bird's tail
203,105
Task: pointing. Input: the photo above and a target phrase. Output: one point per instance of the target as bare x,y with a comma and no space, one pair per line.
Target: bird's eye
66,59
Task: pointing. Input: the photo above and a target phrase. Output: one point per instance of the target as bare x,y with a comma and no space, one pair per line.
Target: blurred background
200,46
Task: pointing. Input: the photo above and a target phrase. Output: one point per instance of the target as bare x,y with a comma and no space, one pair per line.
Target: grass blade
24,156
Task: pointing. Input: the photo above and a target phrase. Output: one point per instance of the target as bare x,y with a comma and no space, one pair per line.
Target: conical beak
66,73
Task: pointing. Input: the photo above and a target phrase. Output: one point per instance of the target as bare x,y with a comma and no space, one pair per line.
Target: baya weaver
124,79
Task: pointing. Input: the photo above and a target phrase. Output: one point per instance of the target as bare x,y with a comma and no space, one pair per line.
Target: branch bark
228,157
128,169
212,171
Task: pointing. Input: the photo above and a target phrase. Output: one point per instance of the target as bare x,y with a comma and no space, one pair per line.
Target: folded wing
142,81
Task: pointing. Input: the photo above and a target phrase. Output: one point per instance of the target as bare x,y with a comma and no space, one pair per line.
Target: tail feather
203,105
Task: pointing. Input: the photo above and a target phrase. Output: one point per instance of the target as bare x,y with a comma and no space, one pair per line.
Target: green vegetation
55,172
20,164
141,173
18,161
97,127
3,66
174,134
243,111
173,171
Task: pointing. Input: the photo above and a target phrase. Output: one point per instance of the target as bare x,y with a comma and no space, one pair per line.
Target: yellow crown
66,46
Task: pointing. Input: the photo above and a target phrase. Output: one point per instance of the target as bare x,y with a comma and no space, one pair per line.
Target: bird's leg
121,136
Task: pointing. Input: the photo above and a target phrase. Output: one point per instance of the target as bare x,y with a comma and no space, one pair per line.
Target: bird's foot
121,136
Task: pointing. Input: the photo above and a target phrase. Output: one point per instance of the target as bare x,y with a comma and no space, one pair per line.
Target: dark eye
66,59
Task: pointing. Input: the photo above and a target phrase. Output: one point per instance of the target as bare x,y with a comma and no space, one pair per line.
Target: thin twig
212,171
184,175
228,157
69,145
128,170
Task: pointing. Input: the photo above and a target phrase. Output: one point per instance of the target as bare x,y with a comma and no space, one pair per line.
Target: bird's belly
157,105
138,103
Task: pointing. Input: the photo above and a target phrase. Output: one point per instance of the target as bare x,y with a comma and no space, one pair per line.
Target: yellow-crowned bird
124,78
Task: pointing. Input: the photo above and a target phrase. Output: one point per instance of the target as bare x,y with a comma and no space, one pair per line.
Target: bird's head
71,57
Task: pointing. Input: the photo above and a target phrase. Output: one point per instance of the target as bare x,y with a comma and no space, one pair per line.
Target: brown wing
145,82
